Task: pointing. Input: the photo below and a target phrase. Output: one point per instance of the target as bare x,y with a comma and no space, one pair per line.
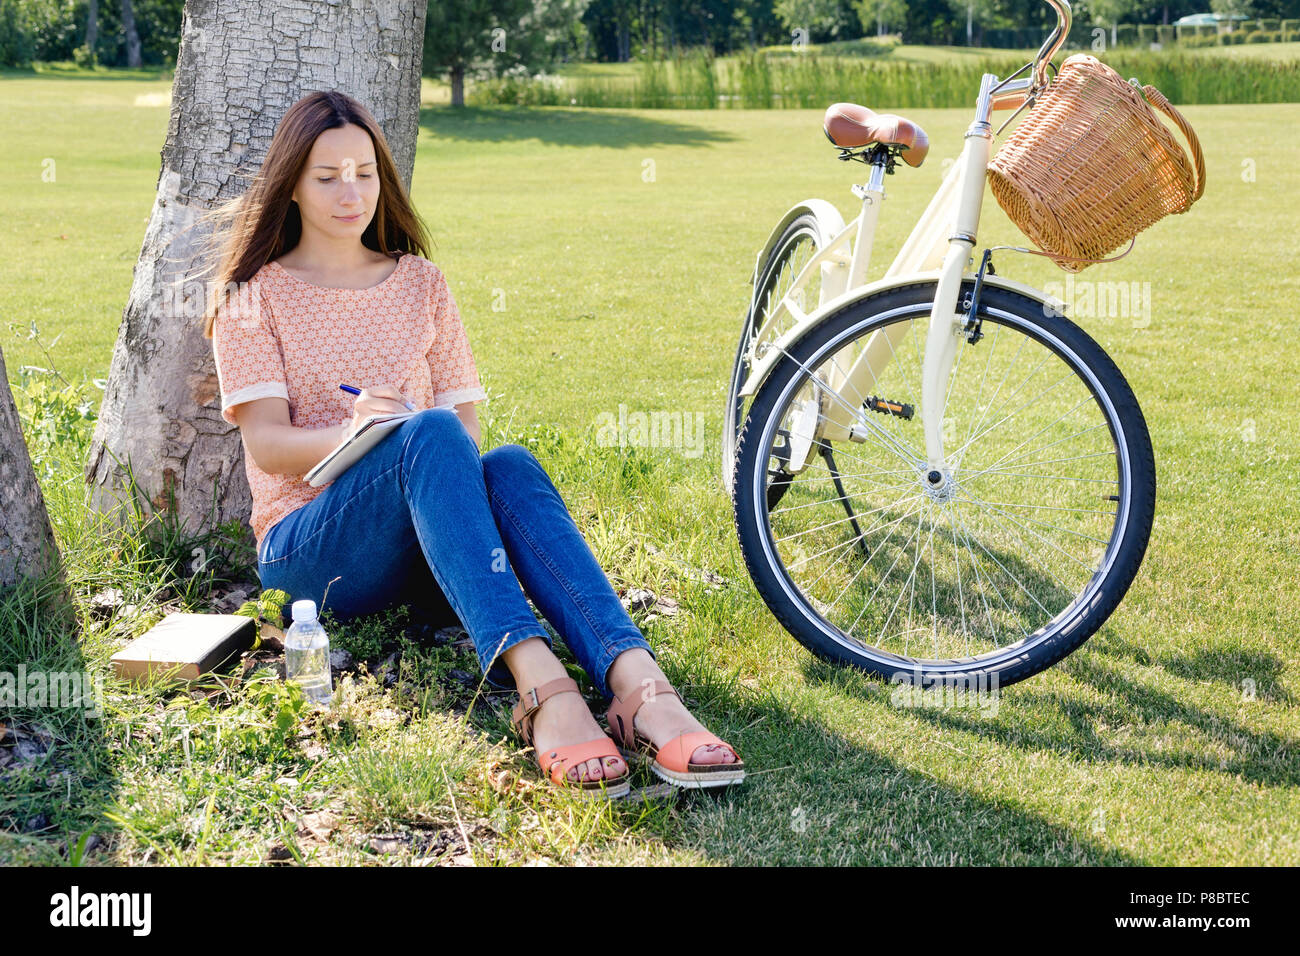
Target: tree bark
27,546
92,24
132,36
458,85
624,40
240,66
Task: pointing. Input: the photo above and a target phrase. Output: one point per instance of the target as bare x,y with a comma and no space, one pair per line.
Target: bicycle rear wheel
1023,553
800,241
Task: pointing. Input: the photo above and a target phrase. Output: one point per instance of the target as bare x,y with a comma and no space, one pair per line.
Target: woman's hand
380,400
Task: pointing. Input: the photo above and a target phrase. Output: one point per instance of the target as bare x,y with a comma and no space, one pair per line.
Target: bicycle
935,476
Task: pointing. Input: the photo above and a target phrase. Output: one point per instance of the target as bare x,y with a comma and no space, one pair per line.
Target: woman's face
340,180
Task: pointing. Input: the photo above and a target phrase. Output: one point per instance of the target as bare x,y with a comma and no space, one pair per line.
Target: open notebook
344,456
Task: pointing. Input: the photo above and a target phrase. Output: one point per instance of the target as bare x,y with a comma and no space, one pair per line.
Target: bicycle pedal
887,407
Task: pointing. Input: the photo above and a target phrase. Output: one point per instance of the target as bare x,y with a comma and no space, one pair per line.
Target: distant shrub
755,80
16,42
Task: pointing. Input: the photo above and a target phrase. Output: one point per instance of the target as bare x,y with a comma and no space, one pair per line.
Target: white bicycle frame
937,250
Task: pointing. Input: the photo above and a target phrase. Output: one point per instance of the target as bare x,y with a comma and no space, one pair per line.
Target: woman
325,258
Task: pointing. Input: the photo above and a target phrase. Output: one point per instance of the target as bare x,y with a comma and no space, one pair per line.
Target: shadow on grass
564,127
58,773
812,796
52,737
1047,720
1223,663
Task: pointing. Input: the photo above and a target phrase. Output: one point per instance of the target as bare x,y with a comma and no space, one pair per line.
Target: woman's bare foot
663,717
562,719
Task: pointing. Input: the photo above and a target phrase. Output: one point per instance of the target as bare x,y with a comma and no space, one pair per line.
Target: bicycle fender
820,208
764,365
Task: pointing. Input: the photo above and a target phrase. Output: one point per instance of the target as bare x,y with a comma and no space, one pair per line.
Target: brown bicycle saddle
851,126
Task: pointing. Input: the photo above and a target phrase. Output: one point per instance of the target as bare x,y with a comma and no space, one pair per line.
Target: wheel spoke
888,440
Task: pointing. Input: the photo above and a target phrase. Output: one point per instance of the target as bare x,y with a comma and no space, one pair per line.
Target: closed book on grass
186,645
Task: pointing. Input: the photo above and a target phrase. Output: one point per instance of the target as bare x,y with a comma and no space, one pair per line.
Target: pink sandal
556,761
670,762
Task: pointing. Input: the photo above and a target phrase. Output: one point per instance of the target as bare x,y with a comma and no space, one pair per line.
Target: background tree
130,36
823,19
1111,13
609,24
236,74
548,32
1241,7
92,24
881,15
754,24
459,35
469,36
126,33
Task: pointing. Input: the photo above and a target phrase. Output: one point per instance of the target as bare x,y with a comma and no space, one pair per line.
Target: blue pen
356,391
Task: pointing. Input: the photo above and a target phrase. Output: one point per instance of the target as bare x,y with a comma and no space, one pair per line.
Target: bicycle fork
946,323
955,210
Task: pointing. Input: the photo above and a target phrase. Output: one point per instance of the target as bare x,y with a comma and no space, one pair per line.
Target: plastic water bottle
307,655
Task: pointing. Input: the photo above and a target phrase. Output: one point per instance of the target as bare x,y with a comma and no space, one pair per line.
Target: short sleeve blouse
284,337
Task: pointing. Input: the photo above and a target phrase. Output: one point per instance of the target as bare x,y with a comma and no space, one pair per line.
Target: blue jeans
423,519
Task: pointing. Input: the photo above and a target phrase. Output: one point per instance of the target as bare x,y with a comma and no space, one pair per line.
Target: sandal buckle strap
533,698
622,713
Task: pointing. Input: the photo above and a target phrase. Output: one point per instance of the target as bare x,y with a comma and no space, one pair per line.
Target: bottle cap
304,610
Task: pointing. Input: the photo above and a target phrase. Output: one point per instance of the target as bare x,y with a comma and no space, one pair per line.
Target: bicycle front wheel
1015,560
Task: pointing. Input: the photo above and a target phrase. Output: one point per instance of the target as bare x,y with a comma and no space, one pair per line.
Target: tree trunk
92,24
132,37
27,547
458,85
240,66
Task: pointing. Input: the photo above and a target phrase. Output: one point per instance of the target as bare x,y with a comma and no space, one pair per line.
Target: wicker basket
1092,165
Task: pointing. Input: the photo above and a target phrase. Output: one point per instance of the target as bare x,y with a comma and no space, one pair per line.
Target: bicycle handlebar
1054,42
1014,92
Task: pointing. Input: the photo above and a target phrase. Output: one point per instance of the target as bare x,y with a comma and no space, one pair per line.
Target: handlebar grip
1007,101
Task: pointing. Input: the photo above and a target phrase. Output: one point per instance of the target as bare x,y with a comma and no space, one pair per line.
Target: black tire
805,228
1060,635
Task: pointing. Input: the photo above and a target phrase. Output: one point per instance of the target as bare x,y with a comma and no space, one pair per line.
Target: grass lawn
619,243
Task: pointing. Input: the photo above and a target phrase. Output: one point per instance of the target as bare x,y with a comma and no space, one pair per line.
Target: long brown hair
264,223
